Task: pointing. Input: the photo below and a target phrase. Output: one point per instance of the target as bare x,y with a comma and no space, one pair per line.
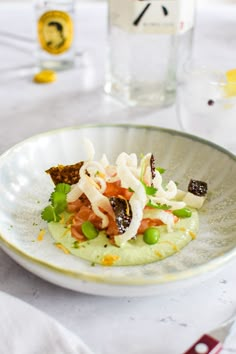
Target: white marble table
161,324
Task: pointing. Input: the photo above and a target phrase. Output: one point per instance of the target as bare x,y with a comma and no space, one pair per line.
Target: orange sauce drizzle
41,235
61,247
109,259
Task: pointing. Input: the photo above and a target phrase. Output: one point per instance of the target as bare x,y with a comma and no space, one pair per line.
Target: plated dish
122,213
26,190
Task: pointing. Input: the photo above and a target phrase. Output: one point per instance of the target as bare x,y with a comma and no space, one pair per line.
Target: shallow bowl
25,189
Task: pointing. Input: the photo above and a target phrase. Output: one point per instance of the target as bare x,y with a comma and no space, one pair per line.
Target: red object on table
205,345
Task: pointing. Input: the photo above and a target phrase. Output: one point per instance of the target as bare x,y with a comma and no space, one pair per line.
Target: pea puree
134,252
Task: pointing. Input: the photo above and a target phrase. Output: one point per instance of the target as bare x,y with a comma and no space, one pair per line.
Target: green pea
183,213
151,235
89,230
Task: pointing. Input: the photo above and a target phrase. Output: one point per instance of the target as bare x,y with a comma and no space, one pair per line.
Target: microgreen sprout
150,204
161,170
150,190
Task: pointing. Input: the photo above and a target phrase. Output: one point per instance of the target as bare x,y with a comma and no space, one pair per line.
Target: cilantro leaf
150,190
59,202
63,188
48,214
150,204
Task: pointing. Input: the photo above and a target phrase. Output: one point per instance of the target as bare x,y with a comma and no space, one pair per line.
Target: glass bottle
55,32
148,42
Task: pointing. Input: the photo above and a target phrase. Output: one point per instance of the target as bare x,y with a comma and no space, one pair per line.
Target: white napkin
26,330
230,341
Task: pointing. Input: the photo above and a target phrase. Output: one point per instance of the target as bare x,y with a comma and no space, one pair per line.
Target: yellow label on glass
55,32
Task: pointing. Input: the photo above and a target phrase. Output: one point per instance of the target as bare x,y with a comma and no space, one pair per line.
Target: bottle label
55,31
153,16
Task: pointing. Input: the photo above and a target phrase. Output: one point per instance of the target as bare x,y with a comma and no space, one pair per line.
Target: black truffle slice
152,165
198,188
123,213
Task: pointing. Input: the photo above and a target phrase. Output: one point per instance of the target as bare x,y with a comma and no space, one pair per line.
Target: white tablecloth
161,324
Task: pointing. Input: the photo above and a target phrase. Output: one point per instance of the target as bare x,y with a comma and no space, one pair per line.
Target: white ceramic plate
25,190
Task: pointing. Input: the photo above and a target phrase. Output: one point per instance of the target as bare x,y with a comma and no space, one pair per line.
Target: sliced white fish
104,161
137,201
89,148
169,192
74,193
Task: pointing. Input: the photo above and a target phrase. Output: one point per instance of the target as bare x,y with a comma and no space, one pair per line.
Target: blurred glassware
26,44
55,29
147,43
206,104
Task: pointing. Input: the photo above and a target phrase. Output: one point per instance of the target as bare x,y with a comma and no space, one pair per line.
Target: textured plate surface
25,190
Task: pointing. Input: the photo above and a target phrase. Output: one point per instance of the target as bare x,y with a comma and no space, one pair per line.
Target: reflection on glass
206,105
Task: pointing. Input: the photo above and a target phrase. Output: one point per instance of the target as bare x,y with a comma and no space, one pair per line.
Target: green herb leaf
49,214
58,203
63,188
58,200
130,190
160,170
150,204
149,189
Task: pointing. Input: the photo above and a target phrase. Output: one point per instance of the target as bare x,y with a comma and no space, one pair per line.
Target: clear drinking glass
206,105
55,32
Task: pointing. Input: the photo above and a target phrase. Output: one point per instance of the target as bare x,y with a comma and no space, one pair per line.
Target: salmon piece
77,234
87,214
84,214
83,211
77,204
115,190
146,223
112,229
